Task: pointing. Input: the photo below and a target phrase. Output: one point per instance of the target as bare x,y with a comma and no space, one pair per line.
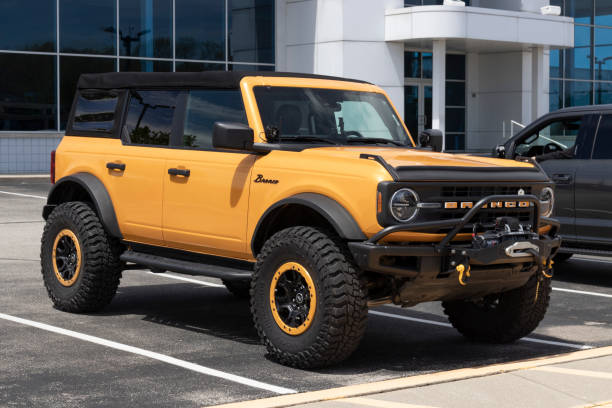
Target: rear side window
603,144
149,117
204,108
95,111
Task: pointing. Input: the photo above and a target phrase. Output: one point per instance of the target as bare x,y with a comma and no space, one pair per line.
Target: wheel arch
305,209
85,187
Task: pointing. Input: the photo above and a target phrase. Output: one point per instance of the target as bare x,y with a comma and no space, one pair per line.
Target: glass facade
43,53
583,75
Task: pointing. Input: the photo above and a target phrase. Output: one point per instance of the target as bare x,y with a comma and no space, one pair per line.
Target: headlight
403,205
547,201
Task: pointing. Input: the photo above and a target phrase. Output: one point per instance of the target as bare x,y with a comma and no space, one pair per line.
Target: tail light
52,169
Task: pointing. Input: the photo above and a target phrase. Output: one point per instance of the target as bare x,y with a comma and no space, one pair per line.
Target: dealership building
475,69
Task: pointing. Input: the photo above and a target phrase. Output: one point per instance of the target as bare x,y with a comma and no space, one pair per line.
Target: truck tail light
52,169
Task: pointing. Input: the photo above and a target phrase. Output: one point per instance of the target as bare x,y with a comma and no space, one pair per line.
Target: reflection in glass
603,53
455,119
603,143
95,111
556,96
27,95
455,66
578,93
411,109
251,30
24,30
200,29
412,64
251,68
134,65
455,141
603,12
603,93
149,117
578,62
88,26
145,28
427,64
198,66
70,70
556,63
581,10
428,90
455,93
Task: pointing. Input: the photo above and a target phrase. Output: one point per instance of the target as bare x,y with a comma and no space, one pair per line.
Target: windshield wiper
373,140
304,138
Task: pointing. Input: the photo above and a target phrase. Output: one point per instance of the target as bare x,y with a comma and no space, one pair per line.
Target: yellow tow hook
547,270
464,274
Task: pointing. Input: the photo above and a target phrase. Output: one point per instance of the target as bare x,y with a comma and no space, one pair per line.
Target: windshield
328,116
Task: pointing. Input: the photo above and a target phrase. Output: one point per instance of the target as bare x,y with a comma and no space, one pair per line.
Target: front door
417,106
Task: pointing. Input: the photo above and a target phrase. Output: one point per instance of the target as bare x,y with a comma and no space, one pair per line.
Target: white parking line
435,323
23,195
583,292
150,354
199,282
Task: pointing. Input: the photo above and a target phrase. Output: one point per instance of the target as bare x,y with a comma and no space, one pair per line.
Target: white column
541,81
438,120
527,87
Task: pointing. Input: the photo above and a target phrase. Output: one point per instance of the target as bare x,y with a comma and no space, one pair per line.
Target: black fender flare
99,197
333,212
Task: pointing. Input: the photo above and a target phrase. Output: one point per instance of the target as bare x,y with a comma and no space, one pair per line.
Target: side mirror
431,138
234,136
500,151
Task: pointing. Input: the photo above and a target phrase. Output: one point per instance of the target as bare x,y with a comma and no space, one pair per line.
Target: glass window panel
455,141
556,63
412,64
252,68
70,70
25,30
204,108
137,65
455,119
578,93
427,64
427,102
603,142
455,93
411,109
146,28
603,53
603,93
27,92
95,110
581,10
562,134
555,96
149,117
578,61
88,26
251,30
200,29
198,66
455,66
558,3
412,2
603,12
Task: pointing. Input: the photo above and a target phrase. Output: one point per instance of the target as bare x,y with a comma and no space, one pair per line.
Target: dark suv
584,184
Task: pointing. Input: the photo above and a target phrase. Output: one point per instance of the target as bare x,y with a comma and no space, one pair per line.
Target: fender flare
333,212
99,197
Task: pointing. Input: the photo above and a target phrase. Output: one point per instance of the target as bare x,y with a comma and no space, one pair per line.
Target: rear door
594,189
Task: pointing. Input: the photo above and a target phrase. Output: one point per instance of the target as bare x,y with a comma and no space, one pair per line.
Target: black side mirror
500,151
431,138
235,136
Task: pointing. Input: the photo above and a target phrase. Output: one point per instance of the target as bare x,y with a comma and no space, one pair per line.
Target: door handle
179,172
562,178
115,166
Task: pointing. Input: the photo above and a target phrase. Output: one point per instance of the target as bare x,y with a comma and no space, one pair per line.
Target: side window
558,135
204,108
149,117
603,144
95,111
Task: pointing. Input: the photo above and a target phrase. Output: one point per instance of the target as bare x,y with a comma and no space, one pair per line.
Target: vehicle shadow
584,271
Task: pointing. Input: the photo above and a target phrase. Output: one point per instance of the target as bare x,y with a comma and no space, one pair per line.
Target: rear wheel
503,317
308,300
80,261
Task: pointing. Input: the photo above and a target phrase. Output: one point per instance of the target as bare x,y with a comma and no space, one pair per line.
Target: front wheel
308,300
503,317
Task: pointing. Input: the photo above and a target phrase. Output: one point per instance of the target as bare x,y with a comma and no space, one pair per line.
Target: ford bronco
305,193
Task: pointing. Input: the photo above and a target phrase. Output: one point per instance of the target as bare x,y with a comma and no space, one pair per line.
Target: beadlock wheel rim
66,257
293,298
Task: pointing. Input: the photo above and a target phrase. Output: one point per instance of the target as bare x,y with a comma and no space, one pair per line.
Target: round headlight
403,204
547,201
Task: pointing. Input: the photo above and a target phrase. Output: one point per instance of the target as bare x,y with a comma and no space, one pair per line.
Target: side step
160,263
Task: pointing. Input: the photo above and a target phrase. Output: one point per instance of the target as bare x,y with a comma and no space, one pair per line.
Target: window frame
120,109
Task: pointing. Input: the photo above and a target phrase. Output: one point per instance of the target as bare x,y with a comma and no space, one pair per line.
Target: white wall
515,5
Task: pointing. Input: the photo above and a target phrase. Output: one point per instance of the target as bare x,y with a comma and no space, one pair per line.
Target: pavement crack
21,222
518,374
20,259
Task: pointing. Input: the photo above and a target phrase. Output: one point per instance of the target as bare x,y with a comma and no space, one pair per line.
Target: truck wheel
504,317
308,300
80,262
238,288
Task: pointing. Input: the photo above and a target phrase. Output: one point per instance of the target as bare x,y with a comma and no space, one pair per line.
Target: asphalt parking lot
171,340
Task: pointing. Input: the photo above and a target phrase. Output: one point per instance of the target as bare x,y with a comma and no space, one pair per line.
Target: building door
417,106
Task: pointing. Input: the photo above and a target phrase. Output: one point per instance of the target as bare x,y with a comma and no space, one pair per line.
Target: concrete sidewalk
580,379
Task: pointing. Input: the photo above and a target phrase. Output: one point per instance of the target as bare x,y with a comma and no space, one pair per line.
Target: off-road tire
340,318
238,288
562,257
100,268
517,313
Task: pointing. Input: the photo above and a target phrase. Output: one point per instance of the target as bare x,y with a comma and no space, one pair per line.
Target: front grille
478,192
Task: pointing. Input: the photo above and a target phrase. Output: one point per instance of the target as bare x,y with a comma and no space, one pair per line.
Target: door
417,106
206,191
594,189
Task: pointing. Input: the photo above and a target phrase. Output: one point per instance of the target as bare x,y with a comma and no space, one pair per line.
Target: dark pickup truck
583,175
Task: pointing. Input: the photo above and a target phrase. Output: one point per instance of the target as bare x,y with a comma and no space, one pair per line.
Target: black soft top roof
206,79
